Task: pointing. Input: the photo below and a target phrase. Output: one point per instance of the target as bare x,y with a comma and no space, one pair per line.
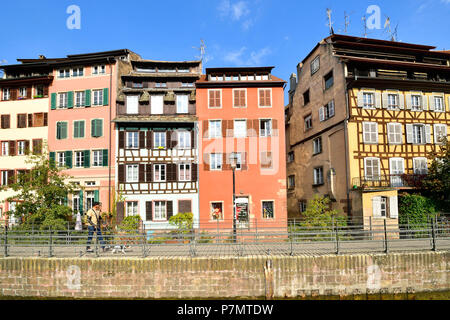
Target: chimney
42,57
293,82
299,69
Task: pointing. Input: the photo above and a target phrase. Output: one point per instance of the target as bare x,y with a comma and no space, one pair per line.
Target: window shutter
105,96
194,171
401,101
268,97
76,129
378,100
11,177
169,209
376,207
122,139
256,127
393,207
121,173
148,210
30,120
171,172
211,98
168,139
360,99
53,101
428,133
244,161
94,128
425,102
192,134
80,194
262,99
385,100
52,158
120,210
27,146
205,128
96,196
88,98
149,139
173,139
409,133
64,130
141,139
408,101
206,160
45,119
141,173
69,159
149,176
331,108
87,158
321,114
105,157
70,100
432,103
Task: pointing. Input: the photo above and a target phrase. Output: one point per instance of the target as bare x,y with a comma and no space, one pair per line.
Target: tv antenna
387,28
330,23
202,50
364,20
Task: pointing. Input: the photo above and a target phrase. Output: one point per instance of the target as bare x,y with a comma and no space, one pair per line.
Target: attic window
183,70
145,70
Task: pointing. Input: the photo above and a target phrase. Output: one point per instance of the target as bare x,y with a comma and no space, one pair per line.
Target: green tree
42,194
415,210
437,182
183,221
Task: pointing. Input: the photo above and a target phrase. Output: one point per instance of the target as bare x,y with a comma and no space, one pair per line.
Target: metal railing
389,181
298,237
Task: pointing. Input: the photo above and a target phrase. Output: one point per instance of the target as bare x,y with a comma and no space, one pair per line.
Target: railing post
370,226
144,241
96,243
50,253
433,233
256,227
291,242
6,240
386,249
337,239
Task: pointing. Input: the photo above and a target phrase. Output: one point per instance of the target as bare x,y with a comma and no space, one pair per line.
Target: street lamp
233,160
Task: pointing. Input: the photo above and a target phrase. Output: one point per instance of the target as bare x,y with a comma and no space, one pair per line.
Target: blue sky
236,32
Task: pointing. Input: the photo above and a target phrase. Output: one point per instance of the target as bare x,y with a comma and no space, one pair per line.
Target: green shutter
105,158
99,129
76,129
70,100
66,200
69,159
53,101
52,158
96,128
81,201
96,196
58,130
105,96
88,98
87,158
64,130
93,128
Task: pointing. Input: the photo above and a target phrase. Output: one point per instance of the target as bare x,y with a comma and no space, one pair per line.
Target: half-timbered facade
363,118
157,158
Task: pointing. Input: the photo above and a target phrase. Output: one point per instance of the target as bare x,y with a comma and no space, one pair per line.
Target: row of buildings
157,138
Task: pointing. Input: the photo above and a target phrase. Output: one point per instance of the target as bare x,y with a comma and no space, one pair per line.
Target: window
187,85
215,161
238,159
98,97
383,206
37,146
139,84
368,100
420,166
157,104
39,91
132,173
370,132
76,202
265,127
38,120
80,99
159,172
78,129
308,122
291,157
99,69
267,209
394,131
21,148
132,208
303,204
79,159
240,128
160,210
161,85
61,130
6,94
439,105
317,146
315,65
77,72
5,121
265,97
291,182
372,169
393,101
96,128
329,80
217,210
266,160
4,178
64,73
182,103
5,148
396,169
318,176
418,134
184,140
306,97
184,172
132,104
90,198
132,140
22,120
97,158
63,100
159,140
327,111
239,98
61,159
215,129
416,103
215,100
440,133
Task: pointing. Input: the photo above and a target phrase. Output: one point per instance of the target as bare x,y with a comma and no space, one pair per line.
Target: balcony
399,181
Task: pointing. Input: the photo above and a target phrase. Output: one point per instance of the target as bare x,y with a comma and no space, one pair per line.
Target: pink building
80,133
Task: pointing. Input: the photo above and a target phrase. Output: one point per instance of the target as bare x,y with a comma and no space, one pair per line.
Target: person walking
93,221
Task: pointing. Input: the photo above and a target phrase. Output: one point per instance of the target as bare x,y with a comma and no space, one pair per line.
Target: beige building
361,121
24,107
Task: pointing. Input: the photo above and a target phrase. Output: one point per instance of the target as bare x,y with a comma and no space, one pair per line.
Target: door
397,168
242,212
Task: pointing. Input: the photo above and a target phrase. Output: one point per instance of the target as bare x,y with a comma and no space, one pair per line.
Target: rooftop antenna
202,50
364,19
346,22
387,28
330,23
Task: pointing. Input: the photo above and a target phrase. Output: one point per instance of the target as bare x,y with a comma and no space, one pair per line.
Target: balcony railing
389,181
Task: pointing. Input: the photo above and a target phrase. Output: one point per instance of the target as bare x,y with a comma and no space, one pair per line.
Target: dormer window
99,69
161,85
77,72
64,73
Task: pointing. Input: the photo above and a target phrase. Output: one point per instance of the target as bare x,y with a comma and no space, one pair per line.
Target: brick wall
225,277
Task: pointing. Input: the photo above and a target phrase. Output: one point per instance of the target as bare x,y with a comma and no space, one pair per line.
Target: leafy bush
130,223
415,210
183,221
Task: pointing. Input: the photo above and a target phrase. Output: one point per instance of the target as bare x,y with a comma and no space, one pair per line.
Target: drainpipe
110,134
347,170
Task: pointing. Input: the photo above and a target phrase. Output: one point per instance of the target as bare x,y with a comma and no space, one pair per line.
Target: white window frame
436,131
21,148
4,178
441,104
419,105
368,135
184,172
264,129
238,158
419,132
182,103
216,161
5,148
97,97
80,99
97,157
76,72
396,179
161,169
63,73
423,169
61,158
132,173
6,94
184,139
159,210
240,132
217,132
369,103
392,129
63,99
79,159
375,175
132,140
273,209
156,104
315,65
132,104
317,147
132,208
318,176
158,138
